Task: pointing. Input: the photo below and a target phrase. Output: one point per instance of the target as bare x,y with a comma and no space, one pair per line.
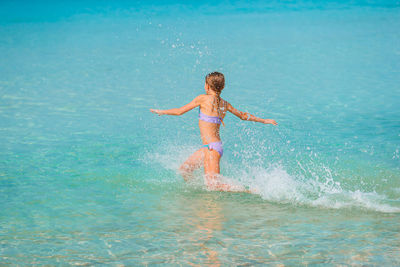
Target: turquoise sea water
89,176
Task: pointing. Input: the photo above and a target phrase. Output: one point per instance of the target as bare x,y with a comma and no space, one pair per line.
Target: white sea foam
275,184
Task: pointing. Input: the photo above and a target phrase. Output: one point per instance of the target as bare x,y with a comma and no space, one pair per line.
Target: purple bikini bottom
217,146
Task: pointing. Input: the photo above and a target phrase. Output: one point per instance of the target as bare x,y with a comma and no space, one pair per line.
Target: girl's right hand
270,121
156,111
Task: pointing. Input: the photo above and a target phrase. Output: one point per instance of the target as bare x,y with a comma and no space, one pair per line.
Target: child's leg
192,163
211,162
212,170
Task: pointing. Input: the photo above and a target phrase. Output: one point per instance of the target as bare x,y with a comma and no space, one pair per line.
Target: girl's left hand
269,121
156,111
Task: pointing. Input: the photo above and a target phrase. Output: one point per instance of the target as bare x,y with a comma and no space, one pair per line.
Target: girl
211,114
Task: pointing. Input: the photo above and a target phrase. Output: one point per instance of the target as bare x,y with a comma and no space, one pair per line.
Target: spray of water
314,185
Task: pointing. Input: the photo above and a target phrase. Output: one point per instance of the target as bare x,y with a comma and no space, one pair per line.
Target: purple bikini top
212,119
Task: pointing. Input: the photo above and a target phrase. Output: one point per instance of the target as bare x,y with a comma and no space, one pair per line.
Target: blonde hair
216,81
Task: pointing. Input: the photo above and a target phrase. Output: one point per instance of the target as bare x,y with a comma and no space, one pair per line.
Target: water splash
275,184
317,187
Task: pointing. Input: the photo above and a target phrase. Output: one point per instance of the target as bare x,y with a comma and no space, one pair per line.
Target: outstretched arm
247,116
179,111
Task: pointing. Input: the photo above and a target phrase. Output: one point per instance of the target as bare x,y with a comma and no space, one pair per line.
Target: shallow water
88,174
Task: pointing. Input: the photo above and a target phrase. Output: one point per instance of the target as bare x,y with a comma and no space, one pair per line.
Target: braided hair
216,81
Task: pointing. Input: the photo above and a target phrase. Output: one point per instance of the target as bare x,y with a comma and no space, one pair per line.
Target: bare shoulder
198,99
201,99
202,96
226,104
206,98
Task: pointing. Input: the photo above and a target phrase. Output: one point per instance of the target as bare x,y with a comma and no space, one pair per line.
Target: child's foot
226,188
186,175
254,191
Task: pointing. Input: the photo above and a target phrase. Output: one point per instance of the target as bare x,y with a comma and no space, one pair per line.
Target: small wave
276,185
